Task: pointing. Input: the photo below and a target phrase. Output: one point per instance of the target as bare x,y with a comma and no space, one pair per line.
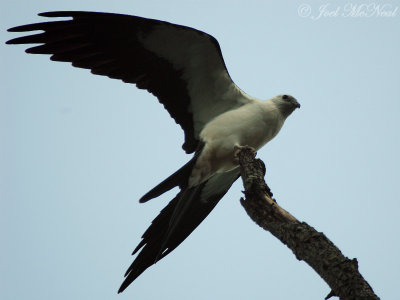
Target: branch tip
306,243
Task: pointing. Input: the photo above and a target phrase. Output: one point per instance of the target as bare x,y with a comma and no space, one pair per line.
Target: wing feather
183,67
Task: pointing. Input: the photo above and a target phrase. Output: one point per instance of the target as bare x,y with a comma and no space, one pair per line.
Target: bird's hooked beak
296,103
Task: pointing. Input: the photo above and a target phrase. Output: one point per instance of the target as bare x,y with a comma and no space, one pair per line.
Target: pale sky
78,151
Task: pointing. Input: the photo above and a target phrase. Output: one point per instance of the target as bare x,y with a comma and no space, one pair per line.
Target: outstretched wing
181,66
192,207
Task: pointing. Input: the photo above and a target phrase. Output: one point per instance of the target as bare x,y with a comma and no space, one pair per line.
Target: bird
184,69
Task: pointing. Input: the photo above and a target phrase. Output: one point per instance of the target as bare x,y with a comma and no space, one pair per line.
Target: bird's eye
284,97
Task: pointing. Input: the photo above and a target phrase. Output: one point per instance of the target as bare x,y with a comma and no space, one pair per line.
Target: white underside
253,124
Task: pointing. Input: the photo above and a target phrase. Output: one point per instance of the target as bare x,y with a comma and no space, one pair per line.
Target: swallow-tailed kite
183,67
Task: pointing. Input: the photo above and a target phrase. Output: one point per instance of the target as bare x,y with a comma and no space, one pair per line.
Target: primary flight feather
183,67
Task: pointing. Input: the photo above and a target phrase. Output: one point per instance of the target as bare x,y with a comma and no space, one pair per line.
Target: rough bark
338,271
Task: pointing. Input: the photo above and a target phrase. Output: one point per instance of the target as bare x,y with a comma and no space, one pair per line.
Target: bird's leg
238,148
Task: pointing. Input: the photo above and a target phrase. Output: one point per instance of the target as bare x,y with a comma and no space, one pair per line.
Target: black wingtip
125,284
16,29
45,14
65,14
52,14
12,42
20,40
144,199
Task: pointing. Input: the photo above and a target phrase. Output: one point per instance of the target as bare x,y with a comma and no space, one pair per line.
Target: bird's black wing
181,66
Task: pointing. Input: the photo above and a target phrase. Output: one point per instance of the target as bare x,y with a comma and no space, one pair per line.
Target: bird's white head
286,104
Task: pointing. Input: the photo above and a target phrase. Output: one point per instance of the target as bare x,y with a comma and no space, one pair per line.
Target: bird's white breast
253,124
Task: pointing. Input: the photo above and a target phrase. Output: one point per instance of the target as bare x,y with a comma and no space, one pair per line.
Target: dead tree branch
307,244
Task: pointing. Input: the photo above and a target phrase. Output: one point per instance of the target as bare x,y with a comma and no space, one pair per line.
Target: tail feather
161,238
179,178
178,216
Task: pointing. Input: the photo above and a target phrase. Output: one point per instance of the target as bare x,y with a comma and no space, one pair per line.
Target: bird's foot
238,148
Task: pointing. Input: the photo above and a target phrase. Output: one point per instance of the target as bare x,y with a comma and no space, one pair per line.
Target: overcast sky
78,151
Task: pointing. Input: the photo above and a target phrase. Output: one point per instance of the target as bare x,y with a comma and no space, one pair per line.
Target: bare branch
339,272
